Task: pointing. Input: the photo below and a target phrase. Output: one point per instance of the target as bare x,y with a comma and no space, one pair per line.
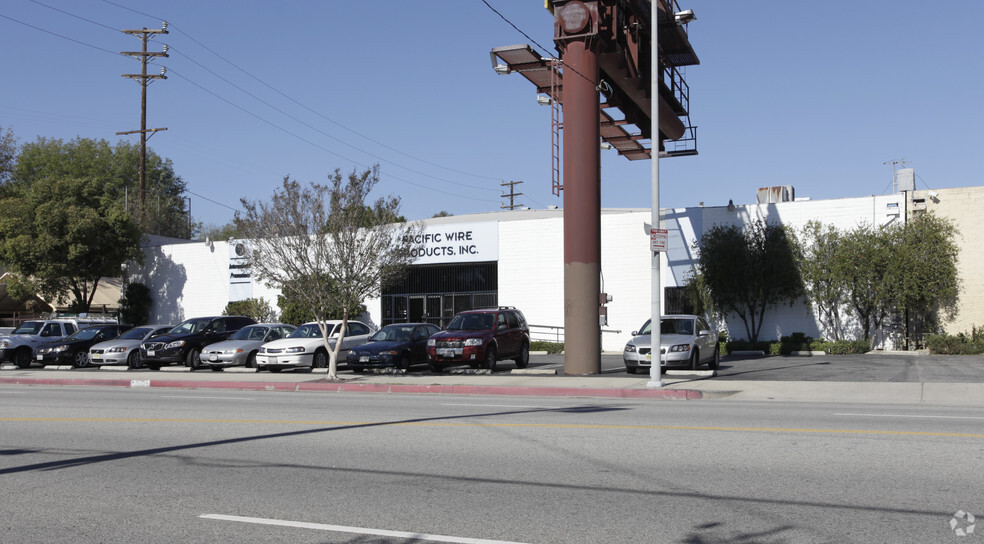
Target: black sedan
399,345
74,348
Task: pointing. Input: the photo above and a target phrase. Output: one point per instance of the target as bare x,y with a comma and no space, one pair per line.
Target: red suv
479,338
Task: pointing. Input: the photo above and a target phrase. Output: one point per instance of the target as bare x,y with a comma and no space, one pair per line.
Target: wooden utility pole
143,79
511,194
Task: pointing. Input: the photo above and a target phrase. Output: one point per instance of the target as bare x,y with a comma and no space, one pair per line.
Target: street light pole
655,370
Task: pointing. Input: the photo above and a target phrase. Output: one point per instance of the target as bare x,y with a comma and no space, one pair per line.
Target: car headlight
473,342
680,347
59,349
232,351
117,349
431,343
4,344
630,348
298,349
173,345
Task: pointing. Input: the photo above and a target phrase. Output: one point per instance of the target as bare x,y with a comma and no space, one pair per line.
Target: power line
114,53
315,112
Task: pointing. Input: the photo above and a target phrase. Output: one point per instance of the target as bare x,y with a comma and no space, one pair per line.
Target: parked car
480,338
399,345
304,348
18,346
687,341
125,349
74,348
240,349
184,343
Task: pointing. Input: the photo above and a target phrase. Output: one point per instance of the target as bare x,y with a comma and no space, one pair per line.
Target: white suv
304,348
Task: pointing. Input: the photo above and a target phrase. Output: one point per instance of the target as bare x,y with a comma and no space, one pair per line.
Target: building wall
192,279
963,206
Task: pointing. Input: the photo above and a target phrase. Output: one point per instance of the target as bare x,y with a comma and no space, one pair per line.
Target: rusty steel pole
582,208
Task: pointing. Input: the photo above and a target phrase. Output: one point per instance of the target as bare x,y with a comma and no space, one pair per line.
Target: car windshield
671,326
191,326
393,333
136,333
471,322
250,333
309,330
29,327
84,334
677,326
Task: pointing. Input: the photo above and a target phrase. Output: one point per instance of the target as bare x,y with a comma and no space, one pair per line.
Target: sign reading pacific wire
457,243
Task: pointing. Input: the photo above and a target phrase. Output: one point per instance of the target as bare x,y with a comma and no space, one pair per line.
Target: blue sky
786,94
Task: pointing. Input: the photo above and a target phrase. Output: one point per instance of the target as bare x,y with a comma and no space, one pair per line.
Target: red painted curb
678,394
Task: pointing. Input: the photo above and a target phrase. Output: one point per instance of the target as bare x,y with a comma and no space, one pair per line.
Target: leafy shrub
257,308
549,347
960,344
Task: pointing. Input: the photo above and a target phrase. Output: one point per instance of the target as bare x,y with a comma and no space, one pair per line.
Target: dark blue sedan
399,345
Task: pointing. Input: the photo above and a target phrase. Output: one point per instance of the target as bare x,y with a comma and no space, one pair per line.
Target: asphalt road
128,465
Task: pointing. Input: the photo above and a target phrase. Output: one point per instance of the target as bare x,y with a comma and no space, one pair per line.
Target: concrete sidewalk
679,385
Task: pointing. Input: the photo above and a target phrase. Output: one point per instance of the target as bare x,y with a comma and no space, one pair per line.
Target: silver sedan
686,341
240,348
125,349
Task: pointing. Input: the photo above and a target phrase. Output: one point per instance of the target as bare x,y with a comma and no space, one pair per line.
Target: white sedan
304,348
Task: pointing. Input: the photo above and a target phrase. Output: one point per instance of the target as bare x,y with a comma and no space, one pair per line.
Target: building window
435,293
677,301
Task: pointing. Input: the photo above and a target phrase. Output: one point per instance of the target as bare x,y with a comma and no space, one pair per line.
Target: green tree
297,312
65,234
8,154
257,308
135,304
748,270
326,246
863,262
924,274
822,280
117,168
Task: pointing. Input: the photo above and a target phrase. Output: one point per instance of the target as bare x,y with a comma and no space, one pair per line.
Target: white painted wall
191,279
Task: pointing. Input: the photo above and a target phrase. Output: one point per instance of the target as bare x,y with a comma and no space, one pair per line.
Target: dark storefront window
434,293
677,301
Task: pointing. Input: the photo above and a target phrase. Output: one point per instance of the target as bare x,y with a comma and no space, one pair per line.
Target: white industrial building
515,258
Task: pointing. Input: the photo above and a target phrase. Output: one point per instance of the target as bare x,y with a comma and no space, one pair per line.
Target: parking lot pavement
882,378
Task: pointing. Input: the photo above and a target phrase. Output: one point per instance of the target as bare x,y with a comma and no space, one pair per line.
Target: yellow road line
450,424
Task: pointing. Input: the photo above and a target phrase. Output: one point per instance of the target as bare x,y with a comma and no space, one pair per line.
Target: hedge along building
515,258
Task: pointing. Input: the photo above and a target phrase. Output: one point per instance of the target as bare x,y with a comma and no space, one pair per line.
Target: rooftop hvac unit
906,179
778,193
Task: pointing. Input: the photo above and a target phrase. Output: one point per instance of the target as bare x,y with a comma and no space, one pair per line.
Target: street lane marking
212,398
912,415
418,423
356,530
500,406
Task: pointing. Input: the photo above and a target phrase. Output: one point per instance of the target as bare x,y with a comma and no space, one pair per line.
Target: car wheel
251,360
133,359
524,356
631,369
320,360
403,363
716,360
193,359
154,366
694,359
23,358
490,357
81,360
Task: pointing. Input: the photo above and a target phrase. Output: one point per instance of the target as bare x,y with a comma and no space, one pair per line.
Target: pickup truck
18,346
